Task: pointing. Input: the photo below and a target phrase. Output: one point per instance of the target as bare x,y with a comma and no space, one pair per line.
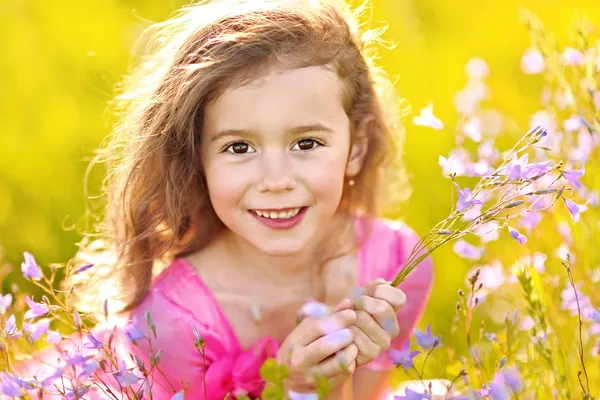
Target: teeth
277,214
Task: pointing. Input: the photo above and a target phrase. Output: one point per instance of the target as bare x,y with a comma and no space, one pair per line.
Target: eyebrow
297,130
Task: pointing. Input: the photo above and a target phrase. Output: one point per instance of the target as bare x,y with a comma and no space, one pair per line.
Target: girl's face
275,154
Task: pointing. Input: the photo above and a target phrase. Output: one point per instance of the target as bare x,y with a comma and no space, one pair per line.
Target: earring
351,182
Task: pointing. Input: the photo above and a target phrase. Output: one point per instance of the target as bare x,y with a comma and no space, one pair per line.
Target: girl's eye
239,148
306,144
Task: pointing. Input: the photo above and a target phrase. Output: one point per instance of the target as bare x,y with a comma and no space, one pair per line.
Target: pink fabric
179,302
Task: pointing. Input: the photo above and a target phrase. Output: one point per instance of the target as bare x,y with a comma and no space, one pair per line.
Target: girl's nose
277,175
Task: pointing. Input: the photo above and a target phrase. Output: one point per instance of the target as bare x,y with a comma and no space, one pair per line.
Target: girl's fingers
381,311
370,344
394,296
322,348
341,363
311,329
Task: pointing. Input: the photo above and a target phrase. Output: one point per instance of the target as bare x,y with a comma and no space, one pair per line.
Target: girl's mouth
285,218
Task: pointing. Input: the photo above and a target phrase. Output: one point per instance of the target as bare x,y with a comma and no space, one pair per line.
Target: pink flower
532,62
571,56
5,302
426,118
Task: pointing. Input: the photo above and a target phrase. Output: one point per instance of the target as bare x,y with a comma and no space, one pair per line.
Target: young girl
255,140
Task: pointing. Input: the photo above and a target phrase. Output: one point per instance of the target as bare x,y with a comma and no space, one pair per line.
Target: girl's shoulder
385,246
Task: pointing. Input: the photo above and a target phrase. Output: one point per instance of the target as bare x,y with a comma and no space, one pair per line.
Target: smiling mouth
280,214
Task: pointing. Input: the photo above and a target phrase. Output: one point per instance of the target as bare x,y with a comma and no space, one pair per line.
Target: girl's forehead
279,95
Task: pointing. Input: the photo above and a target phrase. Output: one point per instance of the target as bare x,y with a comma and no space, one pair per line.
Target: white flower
477,68
532,62
428,119
571,56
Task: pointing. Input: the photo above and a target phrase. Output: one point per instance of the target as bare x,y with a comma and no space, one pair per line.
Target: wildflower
467,250
5,302
93,343
83,268
36,330
403,357
477,68
178,396
530,220
491,275
571,56
465,199
77,359
50,379
426,339
573,175
125,377
473,129
491,336
532,62
575,209
77,320
512,379
9,385
89,368
76,393
517,236
569,300
10,329
35,309
573,124
526,323
133,332
428,119
53,337
519,167
29,267
452,165
595,315
412,395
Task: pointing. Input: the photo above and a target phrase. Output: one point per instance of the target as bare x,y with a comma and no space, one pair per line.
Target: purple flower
465,199
452,165
29,268
76,393
487,231
10,329
467,250
412,395
178,396
512,379
5,302
517,236
426,339
83,268
575,209
9,385
530,220
49,380
595,316
92,342
573,175
89,368
77,359
35,309
505,380
53,337
569,300
36,330
125,377
133,332
403,357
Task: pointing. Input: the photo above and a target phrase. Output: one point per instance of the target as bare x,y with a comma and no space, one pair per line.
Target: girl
255,140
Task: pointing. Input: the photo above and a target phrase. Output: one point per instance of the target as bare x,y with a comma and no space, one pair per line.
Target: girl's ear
358,151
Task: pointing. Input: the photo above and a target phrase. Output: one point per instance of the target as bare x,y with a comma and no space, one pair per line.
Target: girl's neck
281,270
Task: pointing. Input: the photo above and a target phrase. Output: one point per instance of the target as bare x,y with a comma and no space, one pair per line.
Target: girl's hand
319,347
376,321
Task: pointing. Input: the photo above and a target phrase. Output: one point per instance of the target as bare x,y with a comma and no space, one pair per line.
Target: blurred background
60,61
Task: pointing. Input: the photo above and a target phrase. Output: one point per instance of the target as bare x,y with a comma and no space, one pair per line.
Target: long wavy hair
155,195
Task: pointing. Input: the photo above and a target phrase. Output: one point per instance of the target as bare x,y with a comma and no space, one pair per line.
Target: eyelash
318,142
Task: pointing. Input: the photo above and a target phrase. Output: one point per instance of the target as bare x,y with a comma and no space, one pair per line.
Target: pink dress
179,302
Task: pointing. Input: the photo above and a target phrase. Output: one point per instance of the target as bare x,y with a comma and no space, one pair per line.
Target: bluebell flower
426,339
